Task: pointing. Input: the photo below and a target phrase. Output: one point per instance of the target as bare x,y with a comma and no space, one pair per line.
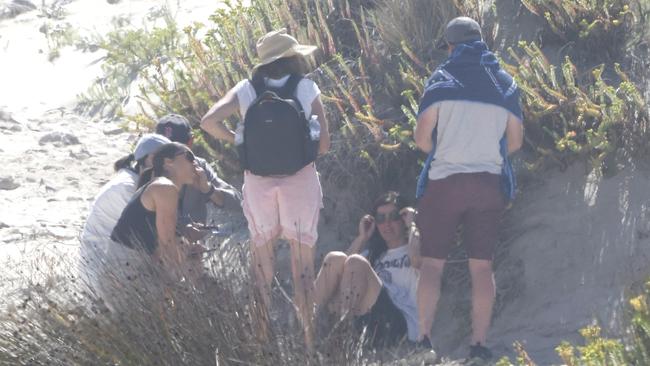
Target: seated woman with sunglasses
148,223
378,286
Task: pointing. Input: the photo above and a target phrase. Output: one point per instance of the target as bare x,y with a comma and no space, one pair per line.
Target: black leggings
385,323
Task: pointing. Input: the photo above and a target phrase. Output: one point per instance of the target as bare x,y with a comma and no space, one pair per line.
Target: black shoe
425,343
479,351
422,354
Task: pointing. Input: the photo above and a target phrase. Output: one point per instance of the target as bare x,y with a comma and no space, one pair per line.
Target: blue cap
148,144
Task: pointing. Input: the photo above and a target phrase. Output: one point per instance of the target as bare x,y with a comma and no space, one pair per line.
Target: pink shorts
286,207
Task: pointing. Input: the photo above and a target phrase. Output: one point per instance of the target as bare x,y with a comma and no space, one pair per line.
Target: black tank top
136,227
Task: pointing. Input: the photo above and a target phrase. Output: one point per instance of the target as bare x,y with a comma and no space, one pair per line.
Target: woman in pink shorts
278,203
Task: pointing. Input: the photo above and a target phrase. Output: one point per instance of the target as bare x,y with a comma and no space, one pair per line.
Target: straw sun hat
278,44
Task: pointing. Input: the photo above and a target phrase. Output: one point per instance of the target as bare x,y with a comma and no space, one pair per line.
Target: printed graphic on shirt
384,267
400,280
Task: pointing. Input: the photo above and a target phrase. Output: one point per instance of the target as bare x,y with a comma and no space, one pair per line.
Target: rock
8,183
3,225
82,154
59,138
7,122
5,116
14,8
11,238
113,131
12,127
48,188
61,232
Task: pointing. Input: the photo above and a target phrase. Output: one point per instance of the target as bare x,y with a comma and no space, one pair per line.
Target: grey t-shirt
192,205
468,138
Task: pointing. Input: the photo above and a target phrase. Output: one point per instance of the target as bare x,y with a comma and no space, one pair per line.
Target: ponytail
124,163
157,170
145,177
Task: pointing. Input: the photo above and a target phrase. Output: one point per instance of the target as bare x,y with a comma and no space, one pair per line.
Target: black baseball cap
175,127
459,30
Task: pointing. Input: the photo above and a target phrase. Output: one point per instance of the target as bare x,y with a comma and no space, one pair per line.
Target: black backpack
276,131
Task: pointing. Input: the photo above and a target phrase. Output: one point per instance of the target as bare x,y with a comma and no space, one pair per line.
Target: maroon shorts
471,199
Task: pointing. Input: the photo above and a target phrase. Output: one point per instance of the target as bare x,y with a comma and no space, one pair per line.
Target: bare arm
414,246
164,197
413,235
223,194
212,122
514,133
366,228
318,110
426,122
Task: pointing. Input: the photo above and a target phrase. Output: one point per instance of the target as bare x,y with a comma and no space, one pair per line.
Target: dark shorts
471,199
385,323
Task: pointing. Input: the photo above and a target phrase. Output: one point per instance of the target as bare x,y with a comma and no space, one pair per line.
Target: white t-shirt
306,93
108,206
400,280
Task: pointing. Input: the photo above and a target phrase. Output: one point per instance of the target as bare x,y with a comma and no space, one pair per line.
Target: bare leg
359,286
262,270
428,293
483,293
302,270
326,286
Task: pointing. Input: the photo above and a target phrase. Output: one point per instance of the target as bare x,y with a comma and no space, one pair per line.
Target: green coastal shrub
57,36
131,51
602,25
573,114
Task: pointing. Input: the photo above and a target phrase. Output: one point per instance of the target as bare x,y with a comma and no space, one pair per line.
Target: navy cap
461,29
175,127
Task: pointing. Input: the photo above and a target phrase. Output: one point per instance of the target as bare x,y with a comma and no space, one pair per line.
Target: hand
193,233
201,180
366,227
408,215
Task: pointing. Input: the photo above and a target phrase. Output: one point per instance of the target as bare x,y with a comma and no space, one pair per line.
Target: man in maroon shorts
469,121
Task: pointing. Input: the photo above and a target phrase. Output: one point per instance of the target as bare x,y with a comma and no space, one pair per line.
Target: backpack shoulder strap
289,89
257,81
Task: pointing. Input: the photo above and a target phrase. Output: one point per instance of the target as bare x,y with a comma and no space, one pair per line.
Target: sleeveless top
136,227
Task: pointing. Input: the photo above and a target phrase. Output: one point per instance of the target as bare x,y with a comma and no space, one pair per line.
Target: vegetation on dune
572,114
374,58
61,319
588,23
599,350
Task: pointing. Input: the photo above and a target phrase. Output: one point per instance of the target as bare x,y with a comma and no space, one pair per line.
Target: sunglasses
189,156
390,216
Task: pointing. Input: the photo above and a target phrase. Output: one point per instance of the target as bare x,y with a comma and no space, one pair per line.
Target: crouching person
377,287
148,223
100,258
